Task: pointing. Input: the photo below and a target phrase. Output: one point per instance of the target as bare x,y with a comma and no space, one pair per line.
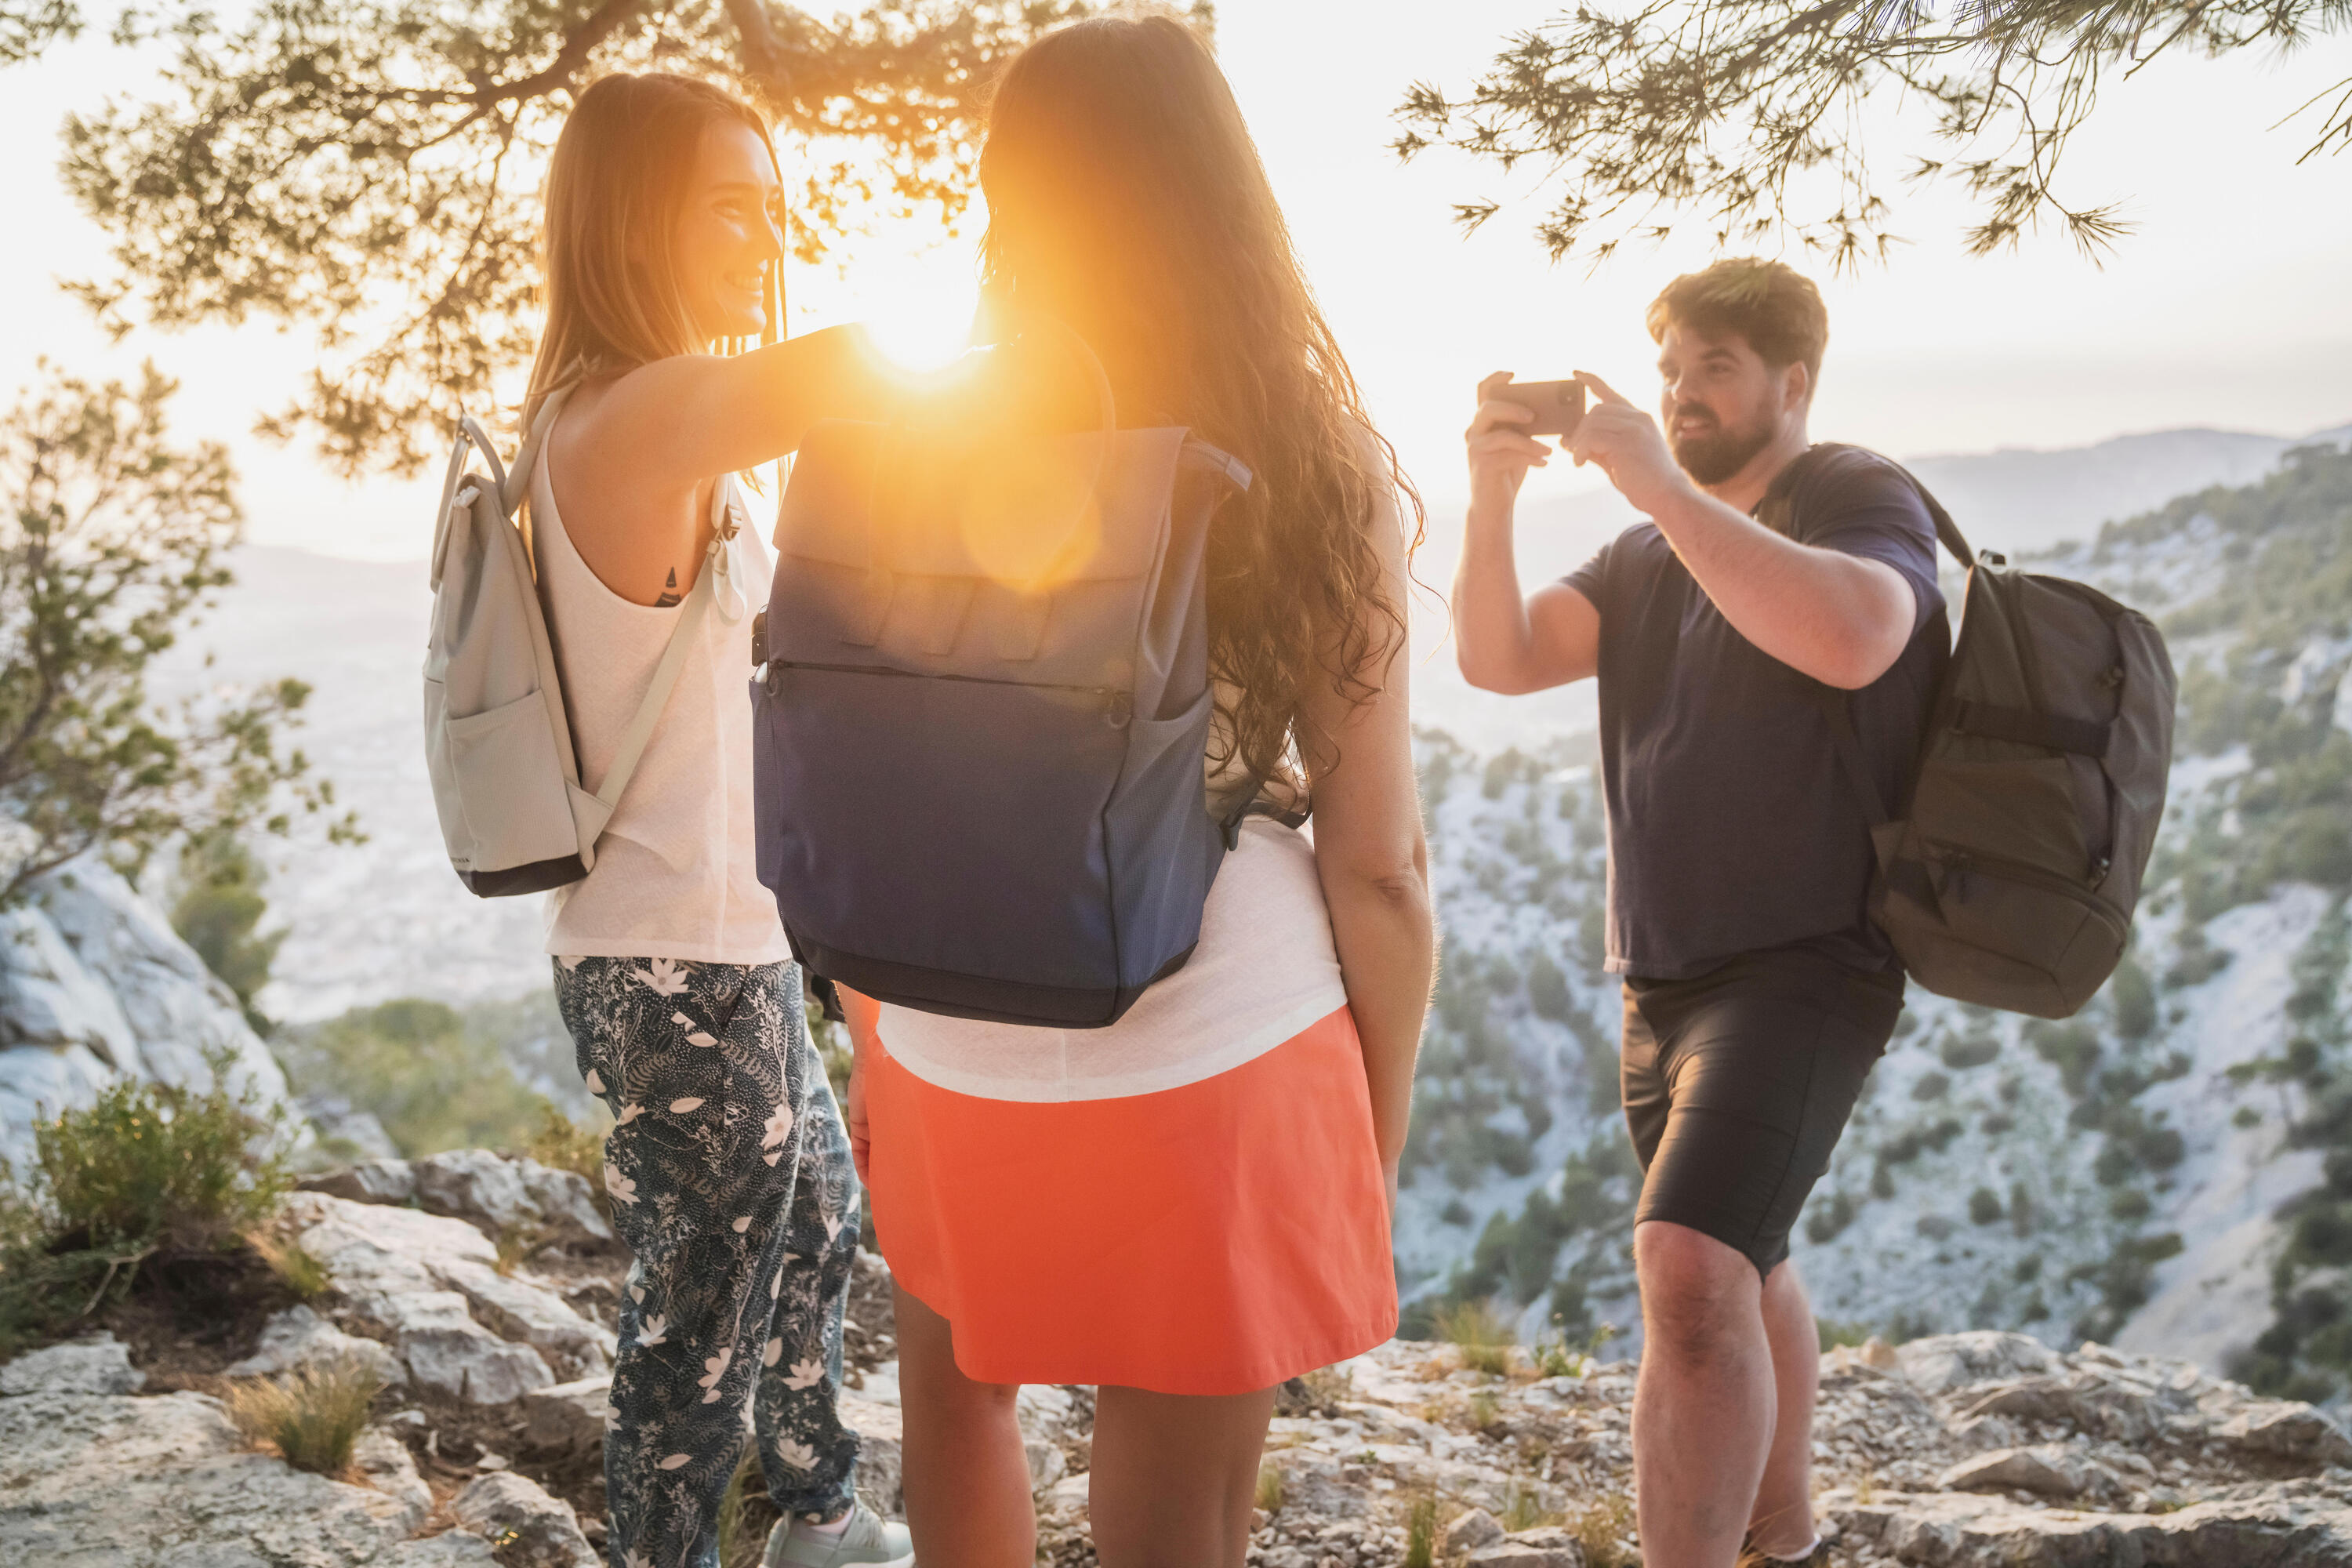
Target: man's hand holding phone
1501,447
1626,444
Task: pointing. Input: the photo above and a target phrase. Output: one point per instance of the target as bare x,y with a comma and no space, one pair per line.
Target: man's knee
1698,1296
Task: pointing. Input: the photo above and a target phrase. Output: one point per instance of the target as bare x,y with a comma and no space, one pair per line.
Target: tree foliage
28,26
370,168
111,540
219,912
1749,113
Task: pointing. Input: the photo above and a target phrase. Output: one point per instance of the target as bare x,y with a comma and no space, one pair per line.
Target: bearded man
1772,579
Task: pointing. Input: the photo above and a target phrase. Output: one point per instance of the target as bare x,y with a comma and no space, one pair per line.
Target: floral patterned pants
730,1178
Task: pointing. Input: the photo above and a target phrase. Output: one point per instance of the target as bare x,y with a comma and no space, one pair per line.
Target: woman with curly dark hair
1192,1205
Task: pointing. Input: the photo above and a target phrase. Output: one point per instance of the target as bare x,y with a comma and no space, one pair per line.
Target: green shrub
432,1081
563,1144
1960,1052
150,1161
1832,1333
149,1167
1270,1489
311,1416
218,911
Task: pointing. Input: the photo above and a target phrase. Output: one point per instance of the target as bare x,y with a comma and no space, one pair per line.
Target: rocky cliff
482,1291
2172,1171
95,986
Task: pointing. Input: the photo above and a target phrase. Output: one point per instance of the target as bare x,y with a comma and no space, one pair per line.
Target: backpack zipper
1120,707
2032,875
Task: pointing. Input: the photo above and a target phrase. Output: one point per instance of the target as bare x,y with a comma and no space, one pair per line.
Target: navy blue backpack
982,710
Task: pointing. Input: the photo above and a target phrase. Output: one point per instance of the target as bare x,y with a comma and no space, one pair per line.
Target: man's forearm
1836,618
1491,634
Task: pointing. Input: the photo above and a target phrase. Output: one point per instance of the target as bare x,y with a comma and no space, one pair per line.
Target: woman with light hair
728,1169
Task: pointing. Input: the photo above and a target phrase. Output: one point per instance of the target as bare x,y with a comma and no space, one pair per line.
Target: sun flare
923,324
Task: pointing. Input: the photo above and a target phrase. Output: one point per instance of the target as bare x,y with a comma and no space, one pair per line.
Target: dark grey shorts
1738,1084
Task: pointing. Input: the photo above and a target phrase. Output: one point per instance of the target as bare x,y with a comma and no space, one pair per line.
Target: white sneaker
867,1540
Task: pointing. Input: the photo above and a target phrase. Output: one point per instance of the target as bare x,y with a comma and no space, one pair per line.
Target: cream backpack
506,778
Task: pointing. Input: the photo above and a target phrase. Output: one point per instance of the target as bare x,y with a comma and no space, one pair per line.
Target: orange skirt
1212,1238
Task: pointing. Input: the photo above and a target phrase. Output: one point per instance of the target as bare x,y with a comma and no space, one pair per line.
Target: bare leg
1704,1404
1782,1522
967,1476
1173,1477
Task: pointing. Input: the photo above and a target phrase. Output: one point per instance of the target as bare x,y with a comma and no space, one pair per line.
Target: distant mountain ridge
388,918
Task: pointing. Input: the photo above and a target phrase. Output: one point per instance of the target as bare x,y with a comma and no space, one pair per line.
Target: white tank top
1266,969
675,875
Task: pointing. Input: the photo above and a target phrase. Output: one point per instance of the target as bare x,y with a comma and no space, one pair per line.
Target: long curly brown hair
1126,197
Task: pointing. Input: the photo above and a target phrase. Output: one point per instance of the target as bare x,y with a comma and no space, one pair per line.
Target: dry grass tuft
1420,1534
1271,1491
1604,1527
1481,1334
746,1515
311,1416
515,1244
296,1269
1526,1512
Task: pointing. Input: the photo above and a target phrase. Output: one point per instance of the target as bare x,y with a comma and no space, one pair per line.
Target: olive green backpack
2009,878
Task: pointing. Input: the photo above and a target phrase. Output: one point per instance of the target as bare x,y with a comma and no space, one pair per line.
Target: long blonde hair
1126,197
620,172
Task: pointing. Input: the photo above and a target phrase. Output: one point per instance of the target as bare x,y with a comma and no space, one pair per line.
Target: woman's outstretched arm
1373,856
677,422
633,456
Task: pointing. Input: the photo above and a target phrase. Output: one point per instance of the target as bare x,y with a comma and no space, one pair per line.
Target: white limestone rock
387,1180
1472,1530
568,1215
105,1481
489,1191
2047,1469
1942,1363
570,1416
475,1185
2270,1530
345,1130
101,1364
96,986
384,1462
1044,1410
1545,1548
1046,1464
298,1336
516,1308
448,1352
2287,1429
545,1533
881,1454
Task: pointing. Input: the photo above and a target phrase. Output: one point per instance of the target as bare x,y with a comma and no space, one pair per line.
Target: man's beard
1717,454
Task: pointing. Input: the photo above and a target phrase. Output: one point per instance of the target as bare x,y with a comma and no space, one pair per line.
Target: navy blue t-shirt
1732,826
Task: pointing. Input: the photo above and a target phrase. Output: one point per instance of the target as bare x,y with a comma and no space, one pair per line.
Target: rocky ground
483,1290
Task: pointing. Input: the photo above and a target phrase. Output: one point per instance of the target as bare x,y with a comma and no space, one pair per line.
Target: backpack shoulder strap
1948,533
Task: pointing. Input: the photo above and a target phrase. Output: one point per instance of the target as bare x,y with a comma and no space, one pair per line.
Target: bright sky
2228,306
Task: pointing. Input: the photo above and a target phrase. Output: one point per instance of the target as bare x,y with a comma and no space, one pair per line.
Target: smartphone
1559,405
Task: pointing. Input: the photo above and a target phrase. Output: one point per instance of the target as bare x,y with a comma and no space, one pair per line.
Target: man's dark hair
1771,304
